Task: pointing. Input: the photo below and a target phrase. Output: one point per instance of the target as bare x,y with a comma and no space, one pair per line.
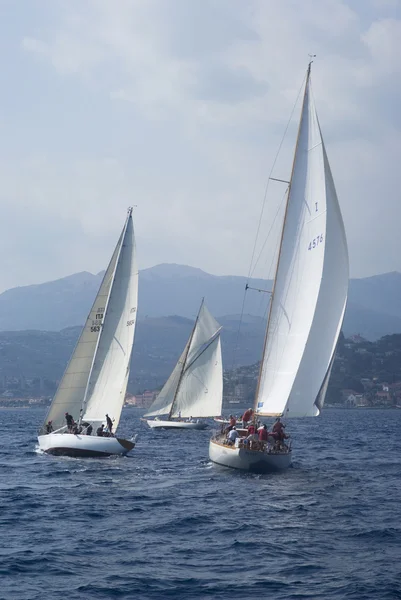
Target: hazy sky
179,106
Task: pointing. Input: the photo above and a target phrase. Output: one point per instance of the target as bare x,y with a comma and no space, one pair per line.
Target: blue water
165,523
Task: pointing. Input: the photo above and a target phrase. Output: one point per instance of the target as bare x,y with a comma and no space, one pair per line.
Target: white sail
195,387
71,390
311,284
162,404
206,327
109,375
201,389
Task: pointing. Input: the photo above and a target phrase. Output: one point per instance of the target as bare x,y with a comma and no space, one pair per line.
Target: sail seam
208,344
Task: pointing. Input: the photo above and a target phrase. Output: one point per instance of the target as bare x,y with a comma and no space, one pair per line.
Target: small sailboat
95,380
195,387
307,304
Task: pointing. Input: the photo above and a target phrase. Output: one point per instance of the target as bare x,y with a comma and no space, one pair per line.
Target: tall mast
281,239
85,398
184,361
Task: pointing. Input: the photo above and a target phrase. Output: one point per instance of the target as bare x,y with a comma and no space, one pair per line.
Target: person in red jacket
251,429
263,433
246,417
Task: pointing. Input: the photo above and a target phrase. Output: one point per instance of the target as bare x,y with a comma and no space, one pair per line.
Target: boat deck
253,446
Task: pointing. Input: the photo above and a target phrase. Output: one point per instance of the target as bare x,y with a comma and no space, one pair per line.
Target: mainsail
195,387
95,380
311,283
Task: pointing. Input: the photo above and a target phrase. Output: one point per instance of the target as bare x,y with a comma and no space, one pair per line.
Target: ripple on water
166,523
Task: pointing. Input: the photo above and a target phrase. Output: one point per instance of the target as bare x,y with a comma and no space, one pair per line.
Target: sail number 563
315,242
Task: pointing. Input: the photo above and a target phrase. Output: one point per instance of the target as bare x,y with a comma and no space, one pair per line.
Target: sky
179,107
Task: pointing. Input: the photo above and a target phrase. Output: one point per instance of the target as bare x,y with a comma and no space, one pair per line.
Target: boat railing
42,430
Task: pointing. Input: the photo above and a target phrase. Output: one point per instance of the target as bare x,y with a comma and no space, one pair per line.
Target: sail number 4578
315,242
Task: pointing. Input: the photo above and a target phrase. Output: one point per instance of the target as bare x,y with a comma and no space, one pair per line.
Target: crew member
232,436
263,433
109,424
246,417
278,430
70,421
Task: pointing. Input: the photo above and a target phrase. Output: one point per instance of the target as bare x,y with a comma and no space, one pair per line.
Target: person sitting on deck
100,430
89,430
251,429
70,421
232,423
49,427
232,436
253,440
246,417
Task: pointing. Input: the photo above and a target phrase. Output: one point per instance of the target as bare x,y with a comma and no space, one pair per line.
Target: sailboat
307,304
95,380
195,387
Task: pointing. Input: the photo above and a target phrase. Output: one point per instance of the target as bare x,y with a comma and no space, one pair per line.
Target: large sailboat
307,304
195,387
95,381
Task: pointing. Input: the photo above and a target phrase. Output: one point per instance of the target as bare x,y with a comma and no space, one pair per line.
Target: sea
164,522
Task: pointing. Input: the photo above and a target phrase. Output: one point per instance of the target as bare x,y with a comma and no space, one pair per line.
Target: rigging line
250,272
270,174
280,206
238,330
270,271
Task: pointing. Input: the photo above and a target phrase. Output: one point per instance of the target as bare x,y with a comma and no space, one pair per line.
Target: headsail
109,376
201,390
71,390
163,403
311,283
195,387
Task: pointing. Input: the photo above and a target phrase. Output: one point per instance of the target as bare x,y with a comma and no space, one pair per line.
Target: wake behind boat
95,380
306,308
195,387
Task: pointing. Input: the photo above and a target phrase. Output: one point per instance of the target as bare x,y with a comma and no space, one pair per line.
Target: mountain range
32,354
374,306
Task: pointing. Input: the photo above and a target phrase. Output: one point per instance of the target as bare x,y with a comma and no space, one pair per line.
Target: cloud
180,107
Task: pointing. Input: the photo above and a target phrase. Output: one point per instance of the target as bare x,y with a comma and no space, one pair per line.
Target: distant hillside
364,374
371,324
380,293
374,302
27,355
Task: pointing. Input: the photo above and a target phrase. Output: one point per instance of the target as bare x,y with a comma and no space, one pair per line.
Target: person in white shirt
232,436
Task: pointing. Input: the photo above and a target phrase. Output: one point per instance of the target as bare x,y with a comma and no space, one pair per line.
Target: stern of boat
243,459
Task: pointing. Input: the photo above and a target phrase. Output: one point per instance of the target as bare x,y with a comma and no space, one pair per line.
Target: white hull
248,460
158,424
68,444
